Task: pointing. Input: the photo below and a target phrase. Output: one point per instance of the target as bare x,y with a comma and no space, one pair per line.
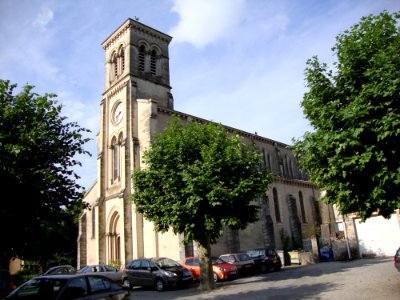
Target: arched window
114,62
291,168
142,51
269,161
115,159
276,205
264,158
303,212
153,63
93,222
122,58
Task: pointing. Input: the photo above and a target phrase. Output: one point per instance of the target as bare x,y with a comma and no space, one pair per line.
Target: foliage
198,179
353,153
37,150
24,275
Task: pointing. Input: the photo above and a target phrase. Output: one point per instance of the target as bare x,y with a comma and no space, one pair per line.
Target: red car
221,269
397,260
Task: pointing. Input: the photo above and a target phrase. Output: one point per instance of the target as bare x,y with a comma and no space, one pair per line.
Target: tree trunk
206,271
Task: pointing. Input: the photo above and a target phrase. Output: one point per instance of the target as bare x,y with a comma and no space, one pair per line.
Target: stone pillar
232,239
267,223
294,222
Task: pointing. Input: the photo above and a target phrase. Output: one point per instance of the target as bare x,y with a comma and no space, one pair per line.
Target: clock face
118,113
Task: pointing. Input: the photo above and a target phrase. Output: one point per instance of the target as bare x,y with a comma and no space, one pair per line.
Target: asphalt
362,279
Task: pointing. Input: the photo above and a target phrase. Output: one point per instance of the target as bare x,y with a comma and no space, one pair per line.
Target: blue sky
238,62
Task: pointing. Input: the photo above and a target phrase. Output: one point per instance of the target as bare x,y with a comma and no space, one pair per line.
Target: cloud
44,17
203,22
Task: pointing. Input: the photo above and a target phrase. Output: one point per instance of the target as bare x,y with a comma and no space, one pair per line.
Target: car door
189,264
133,272
104,289
146,272
112,273
196,267
76,288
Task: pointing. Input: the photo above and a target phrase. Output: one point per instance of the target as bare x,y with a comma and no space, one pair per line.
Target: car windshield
243,256
216,261
255,253
43,288
165,262
110,269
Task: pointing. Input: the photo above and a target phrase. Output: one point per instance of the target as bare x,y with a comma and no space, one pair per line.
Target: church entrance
114,240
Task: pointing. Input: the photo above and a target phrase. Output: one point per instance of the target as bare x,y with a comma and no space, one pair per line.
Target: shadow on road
298,271
274,285
306,291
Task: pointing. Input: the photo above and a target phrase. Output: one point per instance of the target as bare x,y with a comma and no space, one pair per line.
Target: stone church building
137,103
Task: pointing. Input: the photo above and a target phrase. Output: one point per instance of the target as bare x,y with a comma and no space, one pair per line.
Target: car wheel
160,285
215,277
127,283
277,268
263,268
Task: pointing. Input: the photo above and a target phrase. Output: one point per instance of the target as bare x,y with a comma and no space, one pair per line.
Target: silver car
107,271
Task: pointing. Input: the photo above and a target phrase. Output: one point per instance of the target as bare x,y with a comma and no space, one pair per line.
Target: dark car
108,271
265,259
397,260
158,272
58,270
69,287
6,283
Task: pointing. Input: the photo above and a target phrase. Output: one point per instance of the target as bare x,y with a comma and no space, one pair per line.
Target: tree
198,179
37,150
354,151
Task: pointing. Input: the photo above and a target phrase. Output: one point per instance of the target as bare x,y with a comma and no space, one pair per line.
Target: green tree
355,110
37,153
198,179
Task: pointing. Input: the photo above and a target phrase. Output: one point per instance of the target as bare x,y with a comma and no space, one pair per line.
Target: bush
23,275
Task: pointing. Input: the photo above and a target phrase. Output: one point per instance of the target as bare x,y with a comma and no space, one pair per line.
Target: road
358,279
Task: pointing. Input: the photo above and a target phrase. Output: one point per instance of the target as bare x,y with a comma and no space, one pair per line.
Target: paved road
359,279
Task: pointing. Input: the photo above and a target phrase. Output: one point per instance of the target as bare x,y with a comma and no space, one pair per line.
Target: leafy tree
354,151
198,179
37,150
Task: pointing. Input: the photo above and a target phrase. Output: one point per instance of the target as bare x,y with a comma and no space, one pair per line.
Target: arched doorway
114,240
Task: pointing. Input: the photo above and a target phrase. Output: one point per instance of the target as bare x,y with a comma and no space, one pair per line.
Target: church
137,103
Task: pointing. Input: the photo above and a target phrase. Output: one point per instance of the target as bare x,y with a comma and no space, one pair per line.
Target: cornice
297,182
115,35
111,92
230,129
135,25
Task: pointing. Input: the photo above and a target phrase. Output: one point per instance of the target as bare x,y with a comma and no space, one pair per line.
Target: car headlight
170,274
221,269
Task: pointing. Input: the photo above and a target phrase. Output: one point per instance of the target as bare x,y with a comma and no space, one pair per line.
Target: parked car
6,283
58,270
108,271
265,259
397,260
221,269
68,287
158,272
241,260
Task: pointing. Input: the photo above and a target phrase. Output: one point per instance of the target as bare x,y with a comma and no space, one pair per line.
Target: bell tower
141,53
136,84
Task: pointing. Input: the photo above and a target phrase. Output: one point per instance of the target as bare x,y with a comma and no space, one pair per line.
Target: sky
236,62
